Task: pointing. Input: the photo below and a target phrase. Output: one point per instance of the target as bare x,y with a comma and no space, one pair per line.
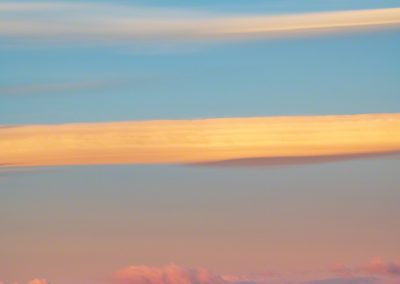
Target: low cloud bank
170,274
376,266
376,271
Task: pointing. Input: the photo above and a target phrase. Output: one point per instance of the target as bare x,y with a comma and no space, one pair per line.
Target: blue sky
323,75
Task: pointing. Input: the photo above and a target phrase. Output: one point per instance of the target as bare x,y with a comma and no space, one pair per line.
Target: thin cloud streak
53,88
200,141
33,281
67,87
287,161
115,23
169,274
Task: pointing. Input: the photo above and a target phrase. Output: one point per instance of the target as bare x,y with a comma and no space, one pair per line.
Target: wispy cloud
33,281
61,87
201,141
71,87
114,23
296,160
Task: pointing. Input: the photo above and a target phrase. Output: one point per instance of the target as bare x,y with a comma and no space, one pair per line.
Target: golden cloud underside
195,141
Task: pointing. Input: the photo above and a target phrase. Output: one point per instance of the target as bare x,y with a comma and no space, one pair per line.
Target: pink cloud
342,269
378,266
38,281
376,271
170,274
33,281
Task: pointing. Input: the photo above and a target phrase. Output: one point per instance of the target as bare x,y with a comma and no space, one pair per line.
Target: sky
199,142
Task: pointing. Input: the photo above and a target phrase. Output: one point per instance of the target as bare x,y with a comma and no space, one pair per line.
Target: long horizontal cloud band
95,22
198,141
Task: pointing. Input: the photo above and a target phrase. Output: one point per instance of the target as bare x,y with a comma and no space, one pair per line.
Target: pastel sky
199,142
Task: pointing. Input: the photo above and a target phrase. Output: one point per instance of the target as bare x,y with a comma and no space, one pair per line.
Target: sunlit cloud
175,274
378,266
170,274
180,275
38,281
375,271
61,21
33,281
201,141
346,280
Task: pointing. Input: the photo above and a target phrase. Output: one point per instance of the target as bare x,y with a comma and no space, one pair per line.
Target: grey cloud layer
284,161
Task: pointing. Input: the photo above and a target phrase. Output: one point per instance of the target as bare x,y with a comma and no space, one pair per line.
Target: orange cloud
170,274
200,141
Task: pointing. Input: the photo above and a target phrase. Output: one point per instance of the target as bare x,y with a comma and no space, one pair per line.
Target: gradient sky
77,225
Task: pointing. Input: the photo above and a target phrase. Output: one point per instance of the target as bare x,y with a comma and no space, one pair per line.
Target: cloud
38,281
287,161
170,274
375,271
294,138
378,266
254,278
51,88
174,274
349,280
33,281
115,23
342,269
